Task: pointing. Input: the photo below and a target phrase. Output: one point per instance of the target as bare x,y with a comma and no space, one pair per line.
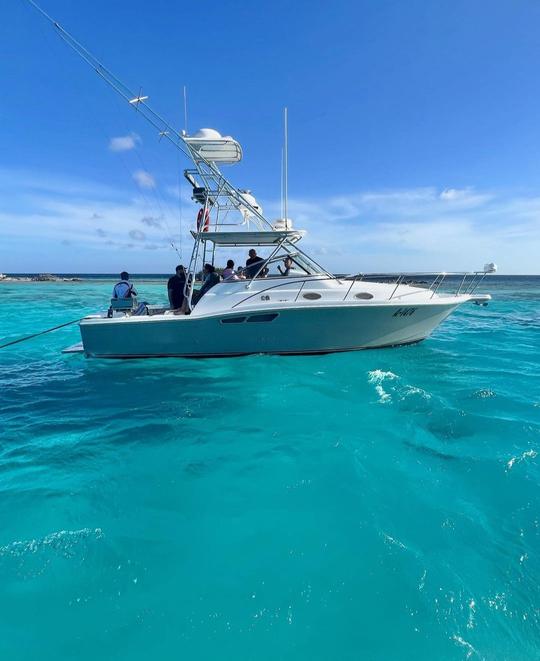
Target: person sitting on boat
210,278
175,288
253,264
229,273
124,289
288,266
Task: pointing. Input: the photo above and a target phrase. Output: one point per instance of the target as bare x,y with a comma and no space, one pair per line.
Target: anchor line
49,330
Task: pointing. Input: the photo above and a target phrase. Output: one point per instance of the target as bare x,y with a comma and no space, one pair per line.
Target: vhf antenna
285,166
185,109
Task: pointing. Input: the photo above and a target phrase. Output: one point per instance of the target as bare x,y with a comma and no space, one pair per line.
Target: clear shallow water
376,505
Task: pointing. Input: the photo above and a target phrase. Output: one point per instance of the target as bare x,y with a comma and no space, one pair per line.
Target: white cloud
124,142
420,229
452,194
137,235
152,221
415,229
45,212
144,179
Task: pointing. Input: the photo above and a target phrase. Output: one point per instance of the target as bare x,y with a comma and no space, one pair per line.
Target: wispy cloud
152,221
124,142
421,229
47,213
137,235
384,230
144,179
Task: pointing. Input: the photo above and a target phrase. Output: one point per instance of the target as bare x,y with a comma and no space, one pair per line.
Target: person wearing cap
124,289
288,266
175,288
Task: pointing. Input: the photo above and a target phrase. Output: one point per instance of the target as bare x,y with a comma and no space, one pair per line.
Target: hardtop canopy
250,238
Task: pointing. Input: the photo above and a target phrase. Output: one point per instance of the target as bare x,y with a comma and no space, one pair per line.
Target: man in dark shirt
253,264
175,288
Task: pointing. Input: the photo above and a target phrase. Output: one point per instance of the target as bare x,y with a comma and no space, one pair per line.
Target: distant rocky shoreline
39,277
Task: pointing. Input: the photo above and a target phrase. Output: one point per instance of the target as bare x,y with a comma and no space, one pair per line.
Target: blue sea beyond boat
378,505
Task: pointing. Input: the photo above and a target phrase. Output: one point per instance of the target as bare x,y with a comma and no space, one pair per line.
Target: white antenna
185,109
285,166
281,188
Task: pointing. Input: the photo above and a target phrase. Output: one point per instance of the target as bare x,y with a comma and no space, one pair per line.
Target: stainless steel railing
467,283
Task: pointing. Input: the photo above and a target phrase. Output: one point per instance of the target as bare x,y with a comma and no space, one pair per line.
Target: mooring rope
29,337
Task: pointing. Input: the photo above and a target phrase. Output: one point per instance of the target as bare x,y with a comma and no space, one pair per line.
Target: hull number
404,312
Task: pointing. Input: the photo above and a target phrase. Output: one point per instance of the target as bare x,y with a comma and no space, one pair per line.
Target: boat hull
277,331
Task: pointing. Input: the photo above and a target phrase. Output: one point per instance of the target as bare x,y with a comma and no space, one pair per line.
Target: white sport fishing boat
309,312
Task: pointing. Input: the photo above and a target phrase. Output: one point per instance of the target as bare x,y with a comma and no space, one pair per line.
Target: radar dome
207,134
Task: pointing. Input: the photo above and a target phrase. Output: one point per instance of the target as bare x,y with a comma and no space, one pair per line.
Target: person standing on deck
253,263
124,289
175,288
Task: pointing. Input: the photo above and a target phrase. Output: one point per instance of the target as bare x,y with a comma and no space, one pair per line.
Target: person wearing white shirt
229,273
288,264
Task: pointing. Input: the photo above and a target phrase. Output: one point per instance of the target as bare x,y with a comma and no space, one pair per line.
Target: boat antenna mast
185,110
285,164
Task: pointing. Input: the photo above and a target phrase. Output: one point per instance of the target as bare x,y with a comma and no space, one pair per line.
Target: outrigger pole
138,102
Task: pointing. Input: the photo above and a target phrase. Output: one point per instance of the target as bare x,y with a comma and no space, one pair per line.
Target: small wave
422,583
483,393
393,541
517,460
403,391
463,643
472,611
378,377
63,541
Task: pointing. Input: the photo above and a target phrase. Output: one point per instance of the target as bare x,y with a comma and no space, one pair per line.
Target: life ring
203,213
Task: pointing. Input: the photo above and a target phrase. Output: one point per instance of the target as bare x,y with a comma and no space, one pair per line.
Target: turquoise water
373,505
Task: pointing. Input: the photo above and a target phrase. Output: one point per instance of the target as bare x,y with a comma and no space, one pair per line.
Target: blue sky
414,129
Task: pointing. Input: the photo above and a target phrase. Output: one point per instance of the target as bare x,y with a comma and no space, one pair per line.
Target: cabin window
233,320
262,317
364,295
311,296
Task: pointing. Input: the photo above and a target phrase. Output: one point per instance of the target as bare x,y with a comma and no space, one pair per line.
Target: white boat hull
291,330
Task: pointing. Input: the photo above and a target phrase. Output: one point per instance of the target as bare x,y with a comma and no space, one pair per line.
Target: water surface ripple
376,505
